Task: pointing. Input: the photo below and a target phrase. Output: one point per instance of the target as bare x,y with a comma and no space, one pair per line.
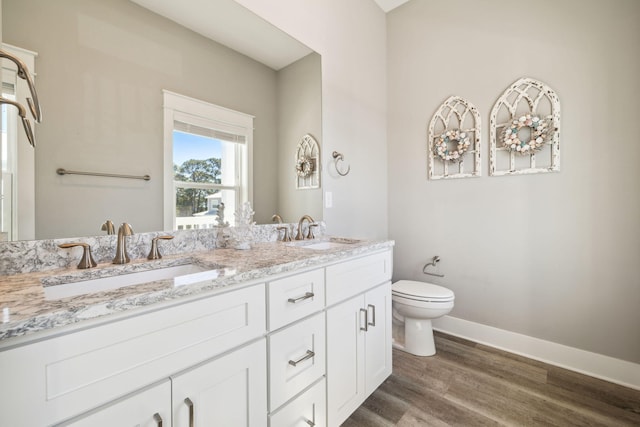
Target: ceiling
388,5
234,26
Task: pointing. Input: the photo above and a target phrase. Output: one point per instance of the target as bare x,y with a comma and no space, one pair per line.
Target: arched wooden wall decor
308,163
525,130
454,140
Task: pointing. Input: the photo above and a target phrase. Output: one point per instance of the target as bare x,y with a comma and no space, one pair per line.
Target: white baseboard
585,362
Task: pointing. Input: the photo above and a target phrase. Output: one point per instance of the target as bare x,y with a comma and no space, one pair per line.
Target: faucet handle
108,227
310,231
287,233
154,253
87,260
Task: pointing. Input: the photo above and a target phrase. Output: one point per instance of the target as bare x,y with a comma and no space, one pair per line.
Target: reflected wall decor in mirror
101,68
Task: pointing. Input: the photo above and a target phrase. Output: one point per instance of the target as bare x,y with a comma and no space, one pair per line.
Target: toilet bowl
414,305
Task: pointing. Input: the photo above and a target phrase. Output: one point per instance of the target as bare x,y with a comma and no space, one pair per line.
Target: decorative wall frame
454,140
307,163
525,130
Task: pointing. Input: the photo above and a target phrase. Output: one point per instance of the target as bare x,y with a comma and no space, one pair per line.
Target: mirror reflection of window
17,190
206,173
7,160
210,156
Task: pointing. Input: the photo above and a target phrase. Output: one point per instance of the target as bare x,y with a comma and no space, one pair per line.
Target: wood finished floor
469,384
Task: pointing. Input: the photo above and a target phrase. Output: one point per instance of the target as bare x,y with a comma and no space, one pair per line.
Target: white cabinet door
378,357
345,359
148,408
228,391
358,351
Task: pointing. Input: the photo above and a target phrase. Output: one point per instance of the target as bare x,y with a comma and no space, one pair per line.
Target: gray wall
350,37
299,113
101,69
552,256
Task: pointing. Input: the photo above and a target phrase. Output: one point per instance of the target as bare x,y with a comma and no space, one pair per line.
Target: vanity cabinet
58,378
305,348
358,333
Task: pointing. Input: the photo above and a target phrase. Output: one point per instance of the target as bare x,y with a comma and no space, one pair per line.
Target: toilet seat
421,291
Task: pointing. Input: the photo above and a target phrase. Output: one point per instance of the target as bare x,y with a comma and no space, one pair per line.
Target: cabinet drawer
147,408
307,409
295,297
63,376
296,359
350,278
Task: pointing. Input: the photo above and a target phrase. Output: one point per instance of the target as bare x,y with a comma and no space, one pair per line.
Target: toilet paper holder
435,260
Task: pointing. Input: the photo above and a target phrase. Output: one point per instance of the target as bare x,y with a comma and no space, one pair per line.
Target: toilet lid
420,290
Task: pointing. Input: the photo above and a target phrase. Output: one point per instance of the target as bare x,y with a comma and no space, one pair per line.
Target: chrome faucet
122,257
299,235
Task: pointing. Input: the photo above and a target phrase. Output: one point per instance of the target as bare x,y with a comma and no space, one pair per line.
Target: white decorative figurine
222,236
242,232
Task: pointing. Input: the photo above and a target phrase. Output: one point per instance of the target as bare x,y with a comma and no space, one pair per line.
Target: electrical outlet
328,199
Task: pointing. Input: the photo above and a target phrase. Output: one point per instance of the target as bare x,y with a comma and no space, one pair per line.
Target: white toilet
414,305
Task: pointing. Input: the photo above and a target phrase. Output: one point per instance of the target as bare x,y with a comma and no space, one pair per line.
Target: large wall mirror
101,68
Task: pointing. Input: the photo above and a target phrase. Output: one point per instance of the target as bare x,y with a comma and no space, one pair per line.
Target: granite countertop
26,309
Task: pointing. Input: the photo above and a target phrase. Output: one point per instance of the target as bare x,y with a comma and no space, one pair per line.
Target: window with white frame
207,162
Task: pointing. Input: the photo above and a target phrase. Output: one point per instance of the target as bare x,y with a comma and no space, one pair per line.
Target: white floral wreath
539,132
304,166
441,149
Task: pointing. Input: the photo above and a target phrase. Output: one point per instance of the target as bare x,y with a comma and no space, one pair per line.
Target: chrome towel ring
338,157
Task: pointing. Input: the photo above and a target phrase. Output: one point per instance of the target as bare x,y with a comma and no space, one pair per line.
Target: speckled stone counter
26,310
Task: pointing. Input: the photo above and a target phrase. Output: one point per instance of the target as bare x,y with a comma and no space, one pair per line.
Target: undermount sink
181,274
323,245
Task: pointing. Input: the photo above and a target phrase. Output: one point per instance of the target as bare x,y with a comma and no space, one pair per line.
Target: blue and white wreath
539,134
443,145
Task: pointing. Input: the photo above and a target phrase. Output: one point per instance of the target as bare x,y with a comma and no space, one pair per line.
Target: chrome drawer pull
366,319
311,423
158,419
308,355
189,403
307,295
373,317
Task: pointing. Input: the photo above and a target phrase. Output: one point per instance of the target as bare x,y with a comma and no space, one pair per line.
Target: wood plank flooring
469,384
